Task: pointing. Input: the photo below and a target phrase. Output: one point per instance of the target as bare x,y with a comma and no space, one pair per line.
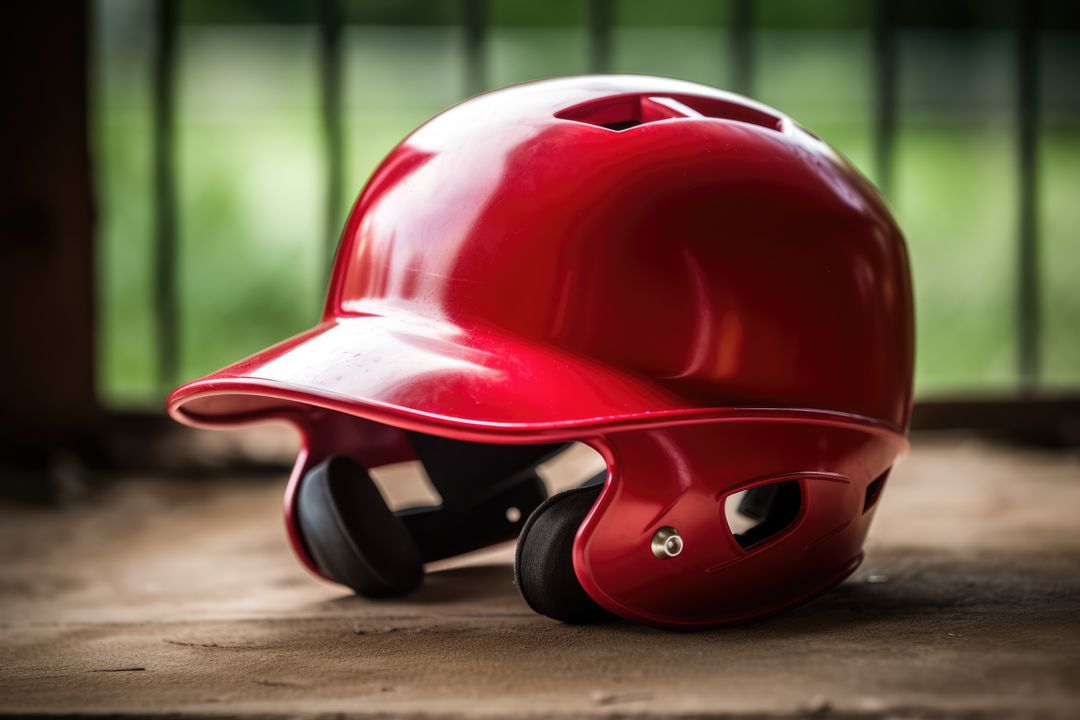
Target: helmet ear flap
543,565
352,535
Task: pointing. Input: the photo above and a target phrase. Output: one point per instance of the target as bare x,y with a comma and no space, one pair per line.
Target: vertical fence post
601,20
1027,108
165,286
330,81
742,49
884,92
474,17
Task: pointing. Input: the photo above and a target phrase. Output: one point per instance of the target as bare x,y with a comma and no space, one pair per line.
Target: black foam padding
352,535
466,473
756,501
783,508
873,490
442,532
544,567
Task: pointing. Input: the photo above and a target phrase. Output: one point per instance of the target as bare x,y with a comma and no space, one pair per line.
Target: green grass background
252,262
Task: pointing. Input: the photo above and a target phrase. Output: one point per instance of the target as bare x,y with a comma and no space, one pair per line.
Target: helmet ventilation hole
873,490
622,112
762,512
620,125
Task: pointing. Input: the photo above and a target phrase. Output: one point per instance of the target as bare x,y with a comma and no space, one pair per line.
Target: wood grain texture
175,596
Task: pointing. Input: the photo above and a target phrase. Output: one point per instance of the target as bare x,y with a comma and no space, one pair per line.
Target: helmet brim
428,375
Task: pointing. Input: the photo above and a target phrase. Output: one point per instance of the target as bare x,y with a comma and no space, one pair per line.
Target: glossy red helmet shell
681,278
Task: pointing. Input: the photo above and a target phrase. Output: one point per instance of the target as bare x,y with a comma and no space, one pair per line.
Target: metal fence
601,14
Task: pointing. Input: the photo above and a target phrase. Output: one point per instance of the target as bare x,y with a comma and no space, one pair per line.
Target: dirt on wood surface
172,596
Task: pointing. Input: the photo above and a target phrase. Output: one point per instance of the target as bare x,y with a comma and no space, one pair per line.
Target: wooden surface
174,596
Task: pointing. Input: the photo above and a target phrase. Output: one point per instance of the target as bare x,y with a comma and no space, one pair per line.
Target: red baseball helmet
683,279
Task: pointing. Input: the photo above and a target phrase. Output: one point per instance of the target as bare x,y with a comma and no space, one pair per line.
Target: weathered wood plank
175,597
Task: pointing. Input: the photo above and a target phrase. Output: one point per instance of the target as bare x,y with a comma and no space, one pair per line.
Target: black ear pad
756,501
544,567
468,473
442,532
352,535
775,506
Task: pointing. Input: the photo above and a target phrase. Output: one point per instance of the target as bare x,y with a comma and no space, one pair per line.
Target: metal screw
667,543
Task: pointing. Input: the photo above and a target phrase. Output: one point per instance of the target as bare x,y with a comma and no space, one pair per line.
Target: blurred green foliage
251,168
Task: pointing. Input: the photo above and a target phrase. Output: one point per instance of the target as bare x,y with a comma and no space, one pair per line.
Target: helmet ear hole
873,490
544,566
352,535
764,511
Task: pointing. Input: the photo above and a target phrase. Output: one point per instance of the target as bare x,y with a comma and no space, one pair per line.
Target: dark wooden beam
885,79
331,64
474,22
601,23
47,258
742,48
1027,266
166,300
1049,420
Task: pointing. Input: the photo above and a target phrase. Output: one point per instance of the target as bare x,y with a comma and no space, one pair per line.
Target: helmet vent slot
623,112
756,514
873,490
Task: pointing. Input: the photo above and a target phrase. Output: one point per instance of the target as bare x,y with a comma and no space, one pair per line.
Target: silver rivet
667,543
